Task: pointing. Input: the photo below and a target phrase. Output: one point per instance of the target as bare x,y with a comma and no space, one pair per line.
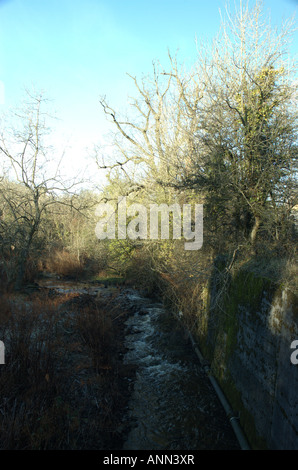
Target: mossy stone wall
251,323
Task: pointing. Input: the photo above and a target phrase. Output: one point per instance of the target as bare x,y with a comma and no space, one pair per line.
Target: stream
172,405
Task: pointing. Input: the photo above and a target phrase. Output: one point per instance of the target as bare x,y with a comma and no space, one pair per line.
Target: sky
77,51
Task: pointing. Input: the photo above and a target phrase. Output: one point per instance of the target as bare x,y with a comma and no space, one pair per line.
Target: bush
65,264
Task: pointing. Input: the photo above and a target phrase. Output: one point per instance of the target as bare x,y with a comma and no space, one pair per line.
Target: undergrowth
60,386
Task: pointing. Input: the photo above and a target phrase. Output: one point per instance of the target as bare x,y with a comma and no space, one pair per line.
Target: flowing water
173,405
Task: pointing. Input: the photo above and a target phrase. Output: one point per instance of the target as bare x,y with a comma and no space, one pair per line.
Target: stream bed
172,405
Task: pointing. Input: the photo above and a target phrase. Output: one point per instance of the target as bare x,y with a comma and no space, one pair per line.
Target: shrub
65,264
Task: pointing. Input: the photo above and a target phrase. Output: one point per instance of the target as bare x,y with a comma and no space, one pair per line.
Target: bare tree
226,129
159,137
31,183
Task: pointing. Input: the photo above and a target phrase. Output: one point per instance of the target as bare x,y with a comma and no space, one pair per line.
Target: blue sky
77,51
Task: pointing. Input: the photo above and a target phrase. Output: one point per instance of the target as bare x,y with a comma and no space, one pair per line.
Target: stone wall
246,334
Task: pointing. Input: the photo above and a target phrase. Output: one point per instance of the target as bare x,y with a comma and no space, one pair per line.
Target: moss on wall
241,289
244,322
246,419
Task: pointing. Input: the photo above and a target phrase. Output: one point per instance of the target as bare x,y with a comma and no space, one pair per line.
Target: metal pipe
234,420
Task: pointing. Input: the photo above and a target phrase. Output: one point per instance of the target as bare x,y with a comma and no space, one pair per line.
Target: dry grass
27,380
95,328
60,386
65,264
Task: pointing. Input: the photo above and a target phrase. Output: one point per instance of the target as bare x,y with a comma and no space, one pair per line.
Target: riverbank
93,366
64,384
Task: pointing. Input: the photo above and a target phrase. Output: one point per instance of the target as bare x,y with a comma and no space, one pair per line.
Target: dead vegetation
63,384
65,264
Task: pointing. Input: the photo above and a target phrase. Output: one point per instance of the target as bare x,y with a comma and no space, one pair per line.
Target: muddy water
173,405
69,287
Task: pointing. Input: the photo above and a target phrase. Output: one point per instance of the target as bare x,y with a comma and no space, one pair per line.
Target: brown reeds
60,386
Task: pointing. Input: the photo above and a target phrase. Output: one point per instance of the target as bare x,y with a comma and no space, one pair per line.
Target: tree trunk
254,231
